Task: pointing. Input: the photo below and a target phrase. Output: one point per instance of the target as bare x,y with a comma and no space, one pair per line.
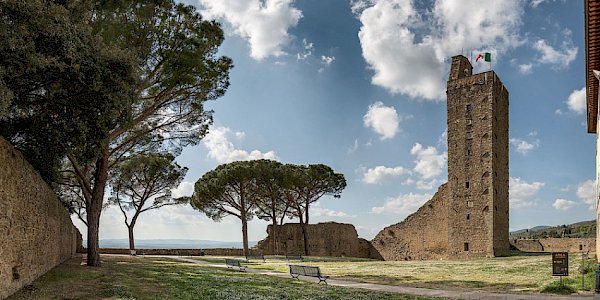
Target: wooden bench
231,263
255,257
309,271
293,257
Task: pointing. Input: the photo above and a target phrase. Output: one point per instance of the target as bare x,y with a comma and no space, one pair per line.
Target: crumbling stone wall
555,245
325,239
36,232
422,235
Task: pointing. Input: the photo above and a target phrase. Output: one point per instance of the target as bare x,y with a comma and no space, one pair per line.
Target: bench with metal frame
296,271
231,263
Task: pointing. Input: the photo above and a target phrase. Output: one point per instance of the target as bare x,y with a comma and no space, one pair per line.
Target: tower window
468,216
466,246
467,184
469,135
469,108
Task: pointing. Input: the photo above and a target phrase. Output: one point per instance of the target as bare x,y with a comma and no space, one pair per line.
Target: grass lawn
124,277
517,273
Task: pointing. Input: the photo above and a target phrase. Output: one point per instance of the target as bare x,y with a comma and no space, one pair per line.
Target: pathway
399,289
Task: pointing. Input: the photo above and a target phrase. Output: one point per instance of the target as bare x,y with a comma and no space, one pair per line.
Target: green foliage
230,189
61,87
145,177
555,287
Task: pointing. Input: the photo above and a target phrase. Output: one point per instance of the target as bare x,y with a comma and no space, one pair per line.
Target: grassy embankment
123,277
518,273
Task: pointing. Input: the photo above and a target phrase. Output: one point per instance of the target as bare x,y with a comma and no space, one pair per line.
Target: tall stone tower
477,162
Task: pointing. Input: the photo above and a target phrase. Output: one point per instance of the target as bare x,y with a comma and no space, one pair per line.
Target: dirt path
400,289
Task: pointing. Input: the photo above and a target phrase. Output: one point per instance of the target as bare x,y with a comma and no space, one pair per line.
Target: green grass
513,273
123,277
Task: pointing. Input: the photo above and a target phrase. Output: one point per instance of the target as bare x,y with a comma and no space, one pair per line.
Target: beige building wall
36,232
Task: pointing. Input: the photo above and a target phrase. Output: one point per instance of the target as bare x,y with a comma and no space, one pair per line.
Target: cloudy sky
360,85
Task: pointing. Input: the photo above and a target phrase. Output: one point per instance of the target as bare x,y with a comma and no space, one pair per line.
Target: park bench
231,263
309,271
293,257
255,257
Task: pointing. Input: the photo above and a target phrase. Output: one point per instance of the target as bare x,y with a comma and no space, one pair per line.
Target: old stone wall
422,235
324,239
36,232
555,245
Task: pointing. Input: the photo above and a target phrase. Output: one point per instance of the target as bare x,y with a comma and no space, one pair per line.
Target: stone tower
477,162
468,216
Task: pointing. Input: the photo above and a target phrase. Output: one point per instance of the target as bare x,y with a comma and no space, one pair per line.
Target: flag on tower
486,56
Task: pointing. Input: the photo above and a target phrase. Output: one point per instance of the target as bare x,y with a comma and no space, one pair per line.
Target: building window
469,108
466,246
468,152
469,135
469,217
467,184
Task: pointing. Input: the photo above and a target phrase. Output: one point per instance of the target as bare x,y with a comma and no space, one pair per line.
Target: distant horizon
170,243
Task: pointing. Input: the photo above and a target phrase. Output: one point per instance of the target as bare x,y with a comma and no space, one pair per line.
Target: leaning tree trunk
95,209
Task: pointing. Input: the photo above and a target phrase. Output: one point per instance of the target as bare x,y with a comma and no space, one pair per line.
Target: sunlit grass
517,273
123,277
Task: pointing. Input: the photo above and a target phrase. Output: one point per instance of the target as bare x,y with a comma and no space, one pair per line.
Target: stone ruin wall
325,239
555,245
36,232
423,235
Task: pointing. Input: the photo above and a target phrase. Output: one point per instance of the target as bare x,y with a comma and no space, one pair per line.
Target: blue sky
359,85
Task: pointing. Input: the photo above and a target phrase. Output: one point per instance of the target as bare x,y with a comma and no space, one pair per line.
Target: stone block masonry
36,232
468,216
325,239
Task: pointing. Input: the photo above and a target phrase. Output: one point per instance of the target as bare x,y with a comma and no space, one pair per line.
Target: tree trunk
274,231
93,249
95,209
131,241
245,235
304,235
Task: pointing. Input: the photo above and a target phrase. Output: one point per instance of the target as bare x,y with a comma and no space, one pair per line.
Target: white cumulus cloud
382,119
263,23
403,204
563,204
408,47
525,68
577,102
185,189
380,173
558,58
222,150
522,146
586,191
523,193
429,163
